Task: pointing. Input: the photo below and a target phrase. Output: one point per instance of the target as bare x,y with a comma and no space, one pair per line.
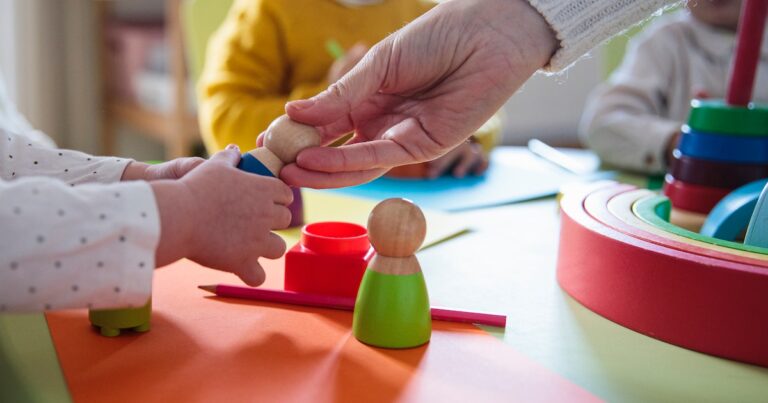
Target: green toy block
716,116
112,321
392,311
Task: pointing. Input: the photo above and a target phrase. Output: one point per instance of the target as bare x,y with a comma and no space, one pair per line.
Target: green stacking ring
655,210
715,116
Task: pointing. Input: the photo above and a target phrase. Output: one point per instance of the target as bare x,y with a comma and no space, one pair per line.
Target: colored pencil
343,303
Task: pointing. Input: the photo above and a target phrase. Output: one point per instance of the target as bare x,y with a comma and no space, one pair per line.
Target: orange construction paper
205,348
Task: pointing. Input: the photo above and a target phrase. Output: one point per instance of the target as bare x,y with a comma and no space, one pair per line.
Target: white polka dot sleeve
580,25
88,246
21,157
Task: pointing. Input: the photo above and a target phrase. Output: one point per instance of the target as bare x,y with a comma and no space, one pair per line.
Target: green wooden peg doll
392,307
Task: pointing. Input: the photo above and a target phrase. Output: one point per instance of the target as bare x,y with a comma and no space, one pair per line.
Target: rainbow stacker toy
724,144
694,290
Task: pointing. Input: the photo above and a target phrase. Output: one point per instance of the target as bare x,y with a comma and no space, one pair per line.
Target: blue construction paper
515,174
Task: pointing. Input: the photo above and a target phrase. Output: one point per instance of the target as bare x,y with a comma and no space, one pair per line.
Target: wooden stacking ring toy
613,206
716,116
694,198
719,147
696,295
715,173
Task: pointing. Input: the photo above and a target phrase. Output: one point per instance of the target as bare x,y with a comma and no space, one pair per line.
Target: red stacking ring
716,174
695,198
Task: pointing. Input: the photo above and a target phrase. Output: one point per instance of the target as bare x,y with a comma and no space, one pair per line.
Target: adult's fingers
229,155
297,176
355,157
337,102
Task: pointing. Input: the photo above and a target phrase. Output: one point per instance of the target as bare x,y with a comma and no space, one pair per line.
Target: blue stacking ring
727,148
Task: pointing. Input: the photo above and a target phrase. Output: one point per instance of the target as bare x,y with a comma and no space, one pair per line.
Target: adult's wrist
523,27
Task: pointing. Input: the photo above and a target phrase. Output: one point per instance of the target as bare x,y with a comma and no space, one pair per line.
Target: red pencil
343,303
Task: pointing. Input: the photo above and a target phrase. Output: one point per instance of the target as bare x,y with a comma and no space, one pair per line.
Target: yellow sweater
269,52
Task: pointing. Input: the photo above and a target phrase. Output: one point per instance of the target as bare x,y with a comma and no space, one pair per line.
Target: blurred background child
268,52
633,121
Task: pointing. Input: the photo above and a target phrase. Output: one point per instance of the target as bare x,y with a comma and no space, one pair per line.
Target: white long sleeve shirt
630,120
580,25
71,234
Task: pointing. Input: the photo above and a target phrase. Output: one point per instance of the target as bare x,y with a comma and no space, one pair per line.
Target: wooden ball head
396,228
283,141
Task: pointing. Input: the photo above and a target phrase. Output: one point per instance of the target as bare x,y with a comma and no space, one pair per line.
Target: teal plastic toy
392,307
113,321
757,231
731,215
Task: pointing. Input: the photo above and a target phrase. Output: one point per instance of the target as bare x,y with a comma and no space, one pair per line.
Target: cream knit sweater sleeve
580,25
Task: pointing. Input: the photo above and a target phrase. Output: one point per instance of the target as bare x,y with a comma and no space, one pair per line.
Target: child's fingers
281,217
468,158
229,155
252,274
273,247
437,167
185,165
481,166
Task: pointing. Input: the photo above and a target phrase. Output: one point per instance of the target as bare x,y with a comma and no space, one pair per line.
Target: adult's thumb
229,155
341,97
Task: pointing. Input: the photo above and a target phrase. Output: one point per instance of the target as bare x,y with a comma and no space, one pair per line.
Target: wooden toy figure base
113,321
392,311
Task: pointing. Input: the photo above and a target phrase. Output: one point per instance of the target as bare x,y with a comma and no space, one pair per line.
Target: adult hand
222,217
422,91
344,64
174,169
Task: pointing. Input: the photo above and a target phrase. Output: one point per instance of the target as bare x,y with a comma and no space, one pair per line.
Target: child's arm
243,86
95,245
22,157
625,120
87,246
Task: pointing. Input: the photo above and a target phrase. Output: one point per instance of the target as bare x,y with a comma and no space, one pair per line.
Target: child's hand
222,217
174,169
346,63
467,158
